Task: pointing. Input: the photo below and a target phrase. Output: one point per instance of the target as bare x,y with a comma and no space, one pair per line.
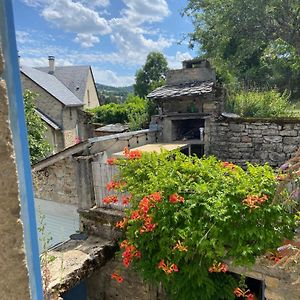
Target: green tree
151,75
238,35
38,147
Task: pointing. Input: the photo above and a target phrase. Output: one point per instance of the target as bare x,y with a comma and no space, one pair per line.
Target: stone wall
67,176
57,182
100,285
14,279
90,95
44,101
101,222
255,140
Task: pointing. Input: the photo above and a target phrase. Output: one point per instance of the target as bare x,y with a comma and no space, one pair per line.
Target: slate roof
194,88
113,128
52,85
73,77
48,120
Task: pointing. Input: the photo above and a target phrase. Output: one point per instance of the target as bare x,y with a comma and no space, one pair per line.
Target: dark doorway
79,292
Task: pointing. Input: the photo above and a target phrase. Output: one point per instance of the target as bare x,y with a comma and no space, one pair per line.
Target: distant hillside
110,94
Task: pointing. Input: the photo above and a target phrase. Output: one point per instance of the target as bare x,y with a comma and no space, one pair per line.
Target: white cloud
109,77
22,37
175,62
138,12
42,61
35,3
134,46
95,3
89,3
86,40
75,17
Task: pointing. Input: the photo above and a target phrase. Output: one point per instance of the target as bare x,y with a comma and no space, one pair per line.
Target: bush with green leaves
134,111
260,104
38,147
189,216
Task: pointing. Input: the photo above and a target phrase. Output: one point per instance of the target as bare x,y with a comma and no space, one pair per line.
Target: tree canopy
151,75
250,40
38,147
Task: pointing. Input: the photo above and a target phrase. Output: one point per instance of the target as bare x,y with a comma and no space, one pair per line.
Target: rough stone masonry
14,279
254,140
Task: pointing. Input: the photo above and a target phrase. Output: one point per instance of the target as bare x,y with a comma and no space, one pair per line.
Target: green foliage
202,205
38,147
253,41
260,104
151,75
110,94
133,111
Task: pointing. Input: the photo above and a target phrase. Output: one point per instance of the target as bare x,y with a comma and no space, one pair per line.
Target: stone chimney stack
192,70
51,60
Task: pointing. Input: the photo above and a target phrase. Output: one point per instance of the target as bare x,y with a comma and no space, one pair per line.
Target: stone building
186,104
191,118
62,94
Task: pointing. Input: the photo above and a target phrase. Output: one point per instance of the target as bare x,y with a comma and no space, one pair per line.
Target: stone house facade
61,95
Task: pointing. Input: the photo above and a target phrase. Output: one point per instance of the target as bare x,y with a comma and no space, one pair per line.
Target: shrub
133,111
261,104
39,148
188,216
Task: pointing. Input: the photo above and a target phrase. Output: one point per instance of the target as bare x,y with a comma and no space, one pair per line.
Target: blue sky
113,36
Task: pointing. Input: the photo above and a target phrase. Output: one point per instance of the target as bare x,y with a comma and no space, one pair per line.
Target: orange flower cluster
180,247
117,277
115,185
242,293
129,253
218,268
110,199
167,269
126,200
282,177
122,224
251,201
228,165
111,161
148,225
132,154
145,205
174,198
275,256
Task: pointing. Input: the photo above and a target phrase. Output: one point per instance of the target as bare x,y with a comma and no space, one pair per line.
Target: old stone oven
187,103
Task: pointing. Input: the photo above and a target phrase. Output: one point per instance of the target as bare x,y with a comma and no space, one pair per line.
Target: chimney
51,64
192,70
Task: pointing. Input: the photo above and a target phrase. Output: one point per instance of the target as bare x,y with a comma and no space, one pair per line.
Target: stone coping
277,120
76,260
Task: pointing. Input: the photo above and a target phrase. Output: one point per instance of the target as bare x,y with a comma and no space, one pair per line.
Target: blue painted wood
19,132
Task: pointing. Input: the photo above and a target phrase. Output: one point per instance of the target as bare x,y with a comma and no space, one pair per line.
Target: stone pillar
85,188
14,279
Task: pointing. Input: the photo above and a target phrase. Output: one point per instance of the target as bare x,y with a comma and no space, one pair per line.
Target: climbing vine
186,218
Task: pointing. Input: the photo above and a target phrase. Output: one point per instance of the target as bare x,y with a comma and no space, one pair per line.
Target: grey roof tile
73,77
52,85
193,88
48,120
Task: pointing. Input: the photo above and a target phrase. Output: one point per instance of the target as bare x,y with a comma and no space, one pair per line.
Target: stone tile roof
48,120
73,77
193,88
113,128
52,85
